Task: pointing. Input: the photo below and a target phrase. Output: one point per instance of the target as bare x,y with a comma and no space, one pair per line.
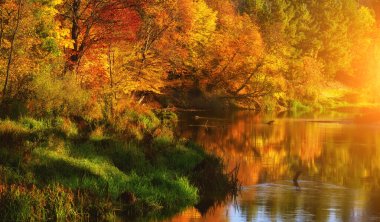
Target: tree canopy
260,53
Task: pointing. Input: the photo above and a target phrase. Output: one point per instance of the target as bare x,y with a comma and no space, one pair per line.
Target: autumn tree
362,37
12,38
213,50
311,43
28,38
245,51
94,22
236,55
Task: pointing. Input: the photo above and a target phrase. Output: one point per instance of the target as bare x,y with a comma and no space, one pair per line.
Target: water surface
338,157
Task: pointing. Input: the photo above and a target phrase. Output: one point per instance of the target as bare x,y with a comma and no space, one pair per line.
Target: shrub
136,125
66,127
296,105
168,118
57,96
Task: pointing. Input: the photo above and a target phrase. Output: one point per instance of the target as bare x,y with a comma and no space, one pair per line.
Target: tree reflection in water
339,161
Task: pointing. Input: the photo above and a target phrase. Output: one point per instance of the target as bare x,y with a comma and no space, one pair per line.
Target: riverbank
51,170
334,97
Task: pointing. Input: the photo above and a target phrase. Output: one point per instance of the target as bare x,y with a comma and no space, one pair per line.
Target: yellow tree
13,8
29,35
94,22
221,53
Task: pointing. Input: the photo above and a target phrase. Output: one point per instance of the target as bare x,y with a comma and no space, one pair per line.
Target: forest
90,91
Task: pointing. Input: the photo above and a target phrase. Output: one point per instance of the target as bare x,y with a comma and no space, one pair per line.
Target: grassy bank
50,170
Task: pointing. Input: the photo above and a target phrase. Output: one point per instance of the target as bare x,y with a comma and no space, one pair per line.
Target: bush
168,118
136,125
296,105
57,96
66,127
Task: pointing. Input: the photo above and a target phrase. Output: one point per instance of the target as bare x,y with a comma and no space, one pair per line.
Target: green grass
20,203
29,129
75,179
111,168
11,132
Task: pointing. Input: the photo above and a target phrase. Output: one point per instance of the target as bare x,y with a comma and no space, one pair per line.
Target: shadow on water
215,187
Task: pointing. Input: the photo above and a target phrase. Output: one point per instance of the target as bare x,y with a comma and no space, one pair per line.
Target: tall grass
11,132
21,203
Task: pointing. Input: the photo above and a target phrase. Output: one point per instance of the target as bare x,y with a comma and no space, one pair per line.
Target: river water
337,155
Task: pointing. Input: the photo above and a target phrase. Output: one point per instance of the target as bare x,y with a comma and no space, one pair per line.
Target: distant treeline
97,57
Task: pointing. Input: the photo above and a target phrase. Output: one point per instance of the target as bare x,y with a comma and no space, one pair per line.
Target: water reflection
339,160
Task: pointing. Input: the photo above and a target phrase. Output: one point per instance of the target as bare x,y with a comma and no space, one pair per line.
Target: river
336,154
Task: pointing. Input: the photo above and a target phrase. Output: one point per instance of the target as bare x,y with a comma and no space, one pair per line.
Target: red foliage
118,23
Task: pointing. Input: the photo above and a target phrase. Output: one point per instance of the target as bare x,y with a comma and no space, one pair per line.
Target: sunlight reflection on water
339,160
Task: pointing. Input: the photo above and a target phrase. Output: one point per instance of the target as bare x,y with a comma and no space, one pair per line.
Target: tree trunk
75,30
75,27
1,28
110,64
11,50
258,66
